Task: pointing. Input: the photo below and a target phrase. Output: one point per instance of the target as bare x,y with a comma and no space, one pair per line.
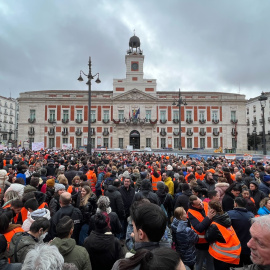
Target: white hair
43,257
263,221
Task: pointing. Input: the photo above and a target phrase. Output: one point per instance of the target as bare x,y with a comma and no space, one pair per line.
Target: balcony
202,133
11,114
234,133
10,122
51,120
234,121
5,121
105,133
163,121
215,133
31,120
163,133
31,132
202,121
51,133
79,120
78,132
248,123
254,122
260,121
93,133
189,121
215,121
175,121
189,133
5,113
176,133
65,121
93,120
105,121
64,133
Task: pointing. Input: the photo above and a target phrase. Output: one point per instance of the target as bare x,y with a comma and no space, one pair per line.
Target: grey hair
43,257
263,221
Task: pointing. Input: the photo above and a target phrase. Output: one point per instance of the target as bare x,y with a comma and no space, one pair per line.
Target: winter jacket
116,201
5,265
228,201
99,180
252,267
25,244
73,253
32,216
18,188
221,188
183,200
71,174
136,178
169,183
263,211
84,169
265,188
185,239
241,222
50,169
208,185
54,205
104,250
127,196
167,201
3,178
257,195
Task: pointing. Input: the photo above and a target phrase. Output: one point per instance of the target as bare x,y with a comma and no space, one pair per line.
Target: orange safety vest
43,205
70,189
24,213
199,176
228,252
200,218
92,177
155,181
10,234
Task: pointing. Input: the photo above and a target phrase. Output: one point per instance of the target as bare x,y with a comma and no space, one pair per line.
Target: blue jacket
99,180
185,239
263,211
264,188
241,222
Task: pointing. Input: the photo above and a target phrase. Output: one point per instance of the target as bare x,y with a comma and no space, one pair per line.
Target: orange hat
50,182
211,171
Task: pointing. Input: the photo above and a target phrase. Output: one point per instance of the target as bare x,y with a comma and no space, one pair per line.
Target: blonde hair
85,199
75,178
179,212
62,179
264,201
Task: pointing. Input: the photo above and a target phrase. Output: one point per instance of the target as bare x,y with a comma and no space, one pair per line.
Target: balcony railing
31,120
176,133
215,133
254,122
64,133
10,122
175,121
234,121
51,133
189,133
248,123
234,133
31,132
163,133
202,133
260,121
202,121
215,121
78,132
163,121
189,121
105,133
51,120
79,121
65,121
105,121
93,120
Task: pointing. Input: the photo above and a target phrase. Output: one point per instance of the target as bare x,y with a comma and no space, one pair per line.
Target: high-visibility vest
10,234
200,218
6,206
199,176
92,177
155,181
70,189
43,205
228,252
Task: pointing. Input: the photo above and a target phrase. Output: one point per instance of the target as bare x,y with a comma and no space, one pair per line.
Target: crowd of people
127,210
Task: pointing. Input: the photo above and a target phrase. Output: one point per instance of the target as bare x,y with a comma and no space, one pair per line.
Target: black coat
127,196
228,201
167,201
257,195
104,250
116,201
71,174
50,169
183,200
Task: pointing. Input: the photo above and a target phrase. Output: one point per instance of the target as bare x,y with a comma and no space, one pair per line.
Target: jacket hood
112,188
167,179
187,192
223,220
146,185
40,197
41,213
255,183
101,241
179,225
29,188
222,185
65,245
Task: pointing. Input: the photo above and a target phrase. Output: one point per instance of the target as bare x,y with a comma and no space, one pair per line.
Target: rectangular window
202,130
51,143
202,115
4,135
65,130
31,140
64,140
148,116
188,115
189,142
79,114
215,115
163,142
120,143
106,142
78,143
234,143
32,130
163,130
121,115
176,143
93,115
202,142
52,130
175,130
148,142
65,115
176,115
233,115
163,115
106,115
215,130
92,131
106,130
93,143
52,115
215,143
32,114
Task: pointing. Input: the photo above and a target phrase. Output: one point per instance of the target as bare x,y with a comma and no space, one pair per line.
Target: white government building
134,113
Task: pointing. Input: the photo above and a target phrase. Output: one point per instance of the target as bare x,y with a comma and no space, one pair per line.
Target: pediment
136,95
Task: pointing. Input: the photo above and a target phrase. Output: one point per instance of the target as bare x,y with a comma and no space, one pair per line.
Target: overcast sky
195,45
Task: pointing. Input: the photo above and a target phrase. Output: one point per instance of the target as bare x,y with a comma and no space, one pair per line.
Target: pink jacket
221,188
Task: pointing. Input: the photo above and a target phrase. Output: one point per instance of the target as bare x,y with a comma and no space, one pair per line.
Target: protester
264,207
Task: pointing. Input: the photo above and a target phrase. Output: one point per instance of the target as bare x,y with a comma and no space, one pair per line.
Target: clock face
134,66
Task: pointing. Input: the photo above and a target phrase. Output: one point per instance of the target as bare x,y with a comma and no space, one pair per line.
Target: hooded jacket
256,194
104,250
221,189
169,183
73,253
183,200
185,239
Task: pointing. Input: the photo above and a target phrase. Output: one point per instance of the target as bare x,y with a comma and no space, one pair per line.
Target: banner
66,146
230,156
37,146
247,157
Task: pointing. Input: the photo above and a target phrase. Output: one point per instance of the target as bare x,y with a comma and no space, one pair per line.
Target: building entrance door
134,139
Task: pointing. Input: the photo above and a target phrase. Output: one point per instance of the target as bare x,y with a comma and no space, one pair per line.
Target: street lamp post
178,103
90,78
254,138
262,99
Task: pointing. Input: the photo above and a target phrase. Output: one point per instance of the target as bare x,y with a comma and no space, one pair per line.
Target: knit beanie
50,183
160,185
58,187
